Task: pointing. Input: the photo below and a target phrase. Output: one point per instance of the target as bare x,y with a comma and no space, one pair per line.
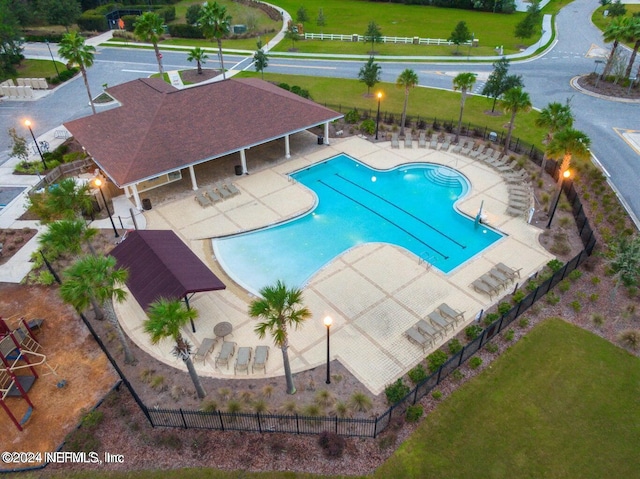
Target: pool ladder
427,259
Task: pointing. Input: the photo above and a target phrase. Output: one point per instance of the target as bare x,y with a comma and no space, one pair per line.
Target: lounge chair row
424,332
496,279
218,192
227,351
435,143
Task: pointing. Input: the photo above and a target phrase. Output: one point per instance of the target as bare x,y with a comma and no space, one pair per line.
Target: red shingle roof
161,266
160,129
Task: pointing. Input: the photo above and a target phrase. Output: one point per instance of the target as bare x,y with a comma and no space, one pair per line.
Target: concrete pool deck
373,292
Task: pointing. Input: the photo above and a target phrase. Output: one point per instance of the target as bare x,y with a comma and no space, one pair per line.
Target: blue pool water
411,206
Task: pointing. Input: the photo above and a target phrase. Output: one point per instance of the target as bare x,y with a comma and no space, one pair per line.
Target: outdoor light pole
327,323
98,183
52,59
565,175
27,123
378,115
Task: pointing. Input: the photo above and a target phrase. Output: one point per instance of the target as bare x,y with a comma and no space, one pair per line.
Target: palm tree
95,280
463,82
67,200
554,117
513,101
633,35
148,28
568,143
280,308
215,23
166,319
407,80
73,49
68,236
198,55
615,32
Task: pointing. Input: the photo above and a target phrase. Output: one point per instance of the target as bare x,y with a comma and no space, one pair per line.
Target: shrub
182,30
332,444
490,318
555,265
325,398
193,13
352,116
157,382
552,298
475,362
92,22
454,346
597,319
92,419
368,126
396,391
509,335
360,402
576,306
312,410
209,406
518,296
417,374
595,280
457,375
436,359
472,332
234,406
630,338
284,86
564,286
593,297
575,275
341,409
414,413
491,347
504,308
300,91
45,278
524,322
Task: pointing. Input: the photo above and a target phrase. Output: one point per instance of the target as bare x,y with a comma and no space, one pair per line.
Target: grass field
561,403
426,102
38,69
600,21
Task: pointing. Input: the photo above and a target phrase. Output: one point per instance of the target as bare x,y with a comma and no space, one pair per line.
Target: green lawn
426,102
38,69
561,403
600,21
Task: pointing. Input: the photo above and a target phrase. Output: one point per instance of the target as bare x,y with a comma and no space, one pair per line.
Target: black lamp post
327,323
565,175
27,123
378,115
52,59
98,184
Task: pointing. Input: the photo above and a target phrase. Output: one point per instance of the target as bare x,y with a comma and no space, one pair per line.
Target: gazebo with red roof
158,129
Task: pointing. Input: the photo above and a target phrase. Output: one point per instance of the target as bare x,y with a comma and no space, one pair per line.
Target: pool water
411,206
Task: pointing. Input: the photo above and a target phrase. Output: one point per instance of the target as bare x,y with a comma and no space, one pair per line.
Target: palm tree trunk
505,151
291,389
464,93
91,249
627,73
158,57
98,312
194,376
86,84
609,65
199,67
224,76
113,319
404,111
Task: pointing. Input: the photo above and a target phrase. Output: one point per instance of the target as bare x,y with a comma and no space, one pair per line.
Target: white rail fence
406,40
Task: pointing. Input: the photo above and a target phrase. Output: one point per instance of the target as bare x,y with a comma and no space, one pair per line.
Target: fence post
297,425
461,355
184,421
221,422
375,427
336,424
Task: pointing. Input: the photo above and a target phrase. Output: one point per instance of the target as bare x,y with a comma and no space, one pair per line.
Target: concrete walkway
373,292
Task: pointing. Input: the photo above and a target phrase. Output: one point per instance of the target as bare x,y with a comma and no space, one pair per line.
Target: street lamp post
27,123
98,183
52,59
327,323
565,175
378,115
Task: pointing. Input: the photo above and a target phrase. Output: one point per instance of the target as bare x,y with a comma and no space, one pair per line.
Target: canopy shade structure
161,266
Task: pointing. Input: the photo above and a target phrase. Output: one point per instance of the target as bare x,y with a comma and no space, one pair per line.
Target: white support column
287,152
192,174
127,192
136,196
243,161
326,133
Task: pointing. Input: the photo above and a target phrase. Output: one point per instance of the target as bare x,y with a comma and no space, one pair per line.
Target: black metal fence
296,424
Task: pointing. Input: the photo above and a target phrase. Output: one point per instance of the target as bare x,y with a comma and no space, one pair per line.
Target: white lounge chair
227,351
243,360
205,348
260,358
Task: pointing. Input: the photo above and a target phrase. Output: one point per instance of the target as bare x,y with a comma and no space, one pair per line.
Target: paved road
546,78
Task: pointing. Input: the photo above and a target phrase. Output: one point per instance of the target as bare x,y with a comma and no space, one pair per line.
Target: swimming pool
411,206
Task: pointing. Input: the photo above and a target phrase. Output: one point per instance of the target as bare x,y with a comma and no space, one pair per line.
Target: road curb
574,84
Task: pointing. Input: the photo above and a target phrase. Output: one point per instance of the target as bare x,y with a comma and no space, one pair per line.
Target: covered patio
159,130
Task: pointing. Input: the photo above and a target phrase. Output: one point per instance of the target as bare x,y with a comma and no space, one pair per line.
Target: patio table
222,329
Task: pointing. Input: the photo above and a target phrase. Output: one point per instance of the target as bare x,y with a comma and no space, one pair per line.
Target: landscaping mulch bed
616,90
12,241
192,76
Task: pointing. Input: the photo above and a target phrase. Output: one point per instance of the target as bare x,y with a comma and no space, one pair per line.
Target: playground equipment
18,354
